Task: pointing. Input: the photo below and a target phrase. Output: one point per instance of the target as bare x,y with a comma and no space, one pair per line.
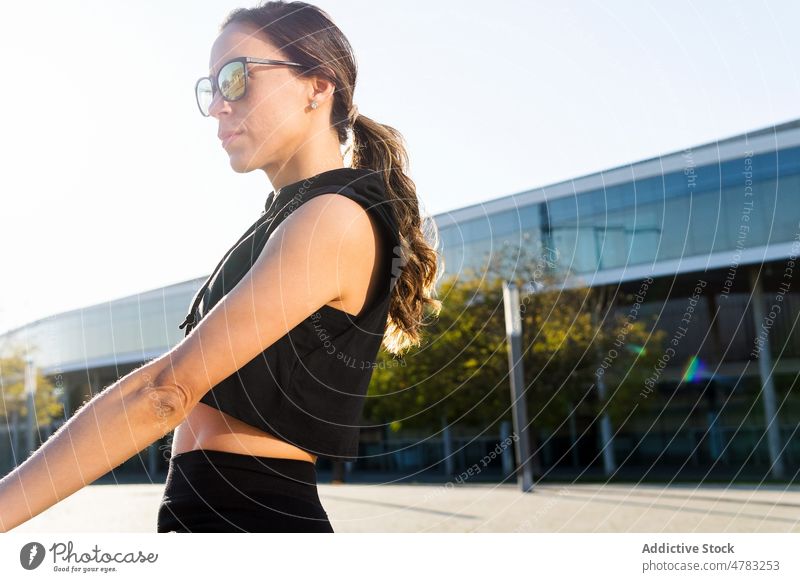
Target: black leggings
218,491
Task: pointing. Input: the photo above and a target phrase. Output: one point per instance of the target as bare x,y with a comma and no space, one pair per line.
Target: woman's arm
306,263
113,426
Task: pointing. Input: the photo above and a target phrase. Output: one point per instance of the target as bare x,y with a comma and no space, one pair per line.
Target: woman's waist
222,478
208,428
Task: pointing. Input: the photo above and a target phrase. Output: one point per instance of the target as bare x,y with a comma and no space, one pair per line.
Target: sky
112,183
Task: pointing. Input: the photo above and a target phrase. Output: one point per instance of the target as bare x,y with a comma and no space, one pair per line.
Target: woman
281,339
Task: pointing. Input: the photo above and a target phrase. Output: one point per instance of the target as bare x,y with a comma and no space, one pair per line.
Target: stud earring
314,105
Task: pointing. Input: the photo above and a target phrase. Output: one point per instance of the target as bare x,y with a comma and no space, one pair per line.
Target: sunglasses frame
214,80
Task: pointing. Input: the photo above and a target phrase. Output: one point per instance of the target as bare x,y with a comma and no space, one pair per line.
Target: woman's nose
218,105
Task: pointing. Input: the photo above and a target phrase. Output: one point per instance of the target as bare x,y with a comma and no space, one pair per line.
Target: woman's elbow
172,398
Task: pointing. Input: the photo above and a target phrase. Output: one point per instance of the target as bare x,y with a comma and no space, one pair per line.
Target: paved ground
480,507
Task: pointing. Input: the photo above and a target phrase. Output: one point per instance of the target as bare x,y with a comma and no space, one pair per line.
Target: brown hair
307,35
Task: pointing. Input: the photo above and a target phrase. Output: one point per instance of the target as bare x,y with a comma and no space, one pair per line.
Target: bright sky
113,183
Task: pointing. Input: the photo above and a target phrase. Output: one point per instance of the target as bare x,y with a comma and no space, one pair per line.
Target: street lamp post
517,378
30,393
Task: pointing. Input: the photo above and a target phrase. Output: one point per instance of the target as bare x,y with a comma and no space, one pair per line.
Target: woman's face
272,115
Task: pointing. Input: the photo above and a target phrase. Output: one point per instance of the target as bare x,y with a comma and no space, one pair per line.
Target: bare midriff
208,428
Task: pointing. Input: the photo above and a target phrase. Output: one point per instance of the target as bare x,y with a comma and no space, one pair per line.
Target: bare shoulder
339,240
333,226
338,214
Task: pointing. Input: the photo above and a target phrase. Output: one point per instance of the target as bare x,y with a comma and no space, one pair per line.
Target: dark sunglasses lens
231,81
204,95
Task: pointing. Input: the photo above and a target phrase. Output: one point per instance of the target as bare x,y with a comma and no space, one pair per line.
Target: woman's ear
321,89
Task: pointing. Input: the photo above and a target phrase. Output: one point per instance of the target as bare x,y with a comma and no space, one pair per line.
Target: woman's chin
239,162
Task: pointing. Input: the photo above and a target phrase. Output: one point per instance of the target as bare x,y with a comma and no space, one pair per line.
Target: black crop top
308,388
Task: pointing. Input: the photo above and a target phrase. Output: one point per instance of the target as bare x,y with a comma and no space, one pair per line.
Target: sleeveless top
308,388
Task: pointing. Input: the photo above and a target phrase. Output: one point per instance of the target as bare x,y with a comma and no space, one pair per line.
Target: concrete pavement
476,507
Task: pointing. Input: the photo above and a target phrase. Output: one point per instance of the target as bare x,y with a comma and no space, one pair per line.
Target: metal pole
606,439
606,434
15,452
30,392
447,448
573,436
152,459
508,457
518,405
765,372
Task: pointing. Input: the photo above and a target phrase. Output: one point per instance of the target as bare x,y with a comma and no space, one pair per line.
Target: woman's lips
229,138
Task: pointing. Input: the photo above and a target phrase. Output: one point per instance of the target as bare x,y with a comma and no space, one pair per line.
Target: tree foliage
571,335
12,392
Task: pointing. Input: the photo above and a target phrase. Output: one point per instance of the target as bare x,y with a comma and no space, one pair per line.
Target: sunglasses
231,81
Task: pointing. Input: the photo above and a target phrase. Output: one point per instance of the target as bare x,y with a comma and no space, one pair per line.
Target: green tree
572,333
12,391
455,376
460,373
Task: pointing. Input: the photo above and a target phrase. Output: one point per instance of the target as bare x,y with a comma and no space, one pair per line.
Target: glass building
675,213
726,213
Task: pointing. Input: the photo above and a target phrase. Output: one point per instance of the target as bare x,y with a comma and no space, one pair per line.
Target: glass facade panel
504,223
685,213
703,223
476,229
